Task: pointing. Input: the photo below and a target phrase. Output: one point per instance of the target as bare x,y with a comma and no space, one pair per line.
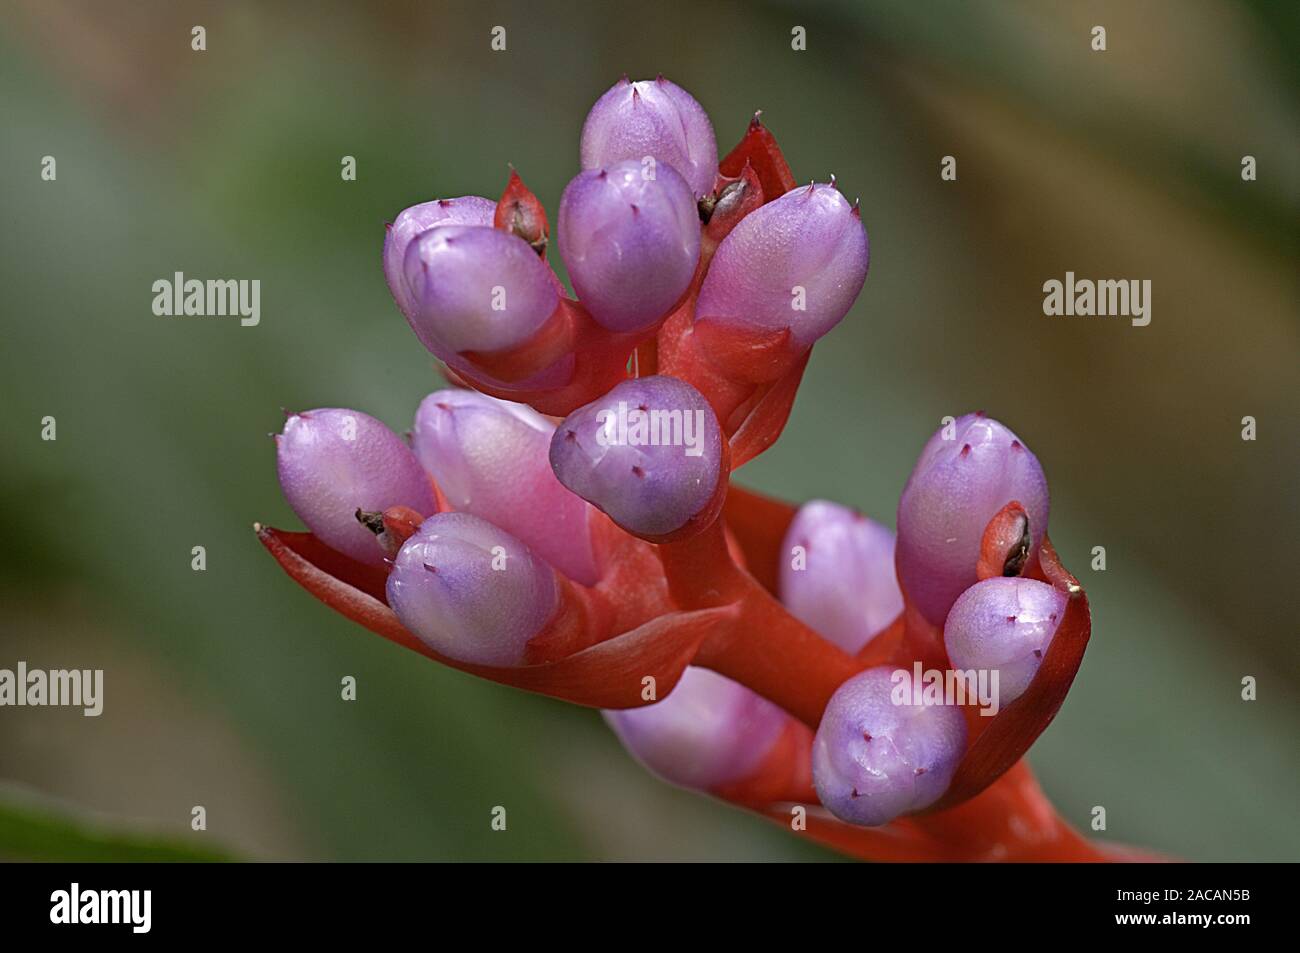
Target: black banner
940,902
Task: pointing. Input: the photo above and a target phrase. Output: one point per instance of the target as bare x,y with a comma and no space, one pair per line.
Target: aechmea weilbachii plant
564,520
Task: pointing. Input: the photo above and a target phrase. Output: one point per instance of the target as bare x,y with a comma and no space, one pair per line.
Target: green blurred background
222,687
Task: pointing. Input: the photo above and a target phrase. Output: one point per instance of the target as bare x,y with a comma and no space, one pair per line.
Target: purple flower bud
878,754
332,462
840,581
797,262
967,472
476,289
490,458
708,732
413,222
648,453
652,118
631,239
1004,623
471,591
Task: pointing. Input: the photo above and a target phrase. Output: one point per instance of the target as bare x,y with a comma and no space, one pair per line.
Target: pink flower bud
1004,624
877,754
653,118
797,262
967,472
489,458
413,222
840,582
648,453
708,732
333,462
476,289
631,240
471,591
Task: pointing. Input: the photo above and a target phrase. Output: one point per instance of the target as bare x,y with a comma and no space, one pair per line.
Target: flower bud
471,591
967,472
653,118
413,222
648,453
840,581
879,754
333,462
797,262
708,732
631,239
1004,624
476,289
490,458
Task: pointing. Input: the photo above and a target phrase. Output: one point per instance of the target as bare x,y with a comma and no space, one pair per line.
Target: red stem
765,648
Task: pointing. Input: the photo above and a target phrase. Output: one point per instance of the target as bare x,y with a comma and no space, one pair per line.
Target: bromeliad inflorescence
563,518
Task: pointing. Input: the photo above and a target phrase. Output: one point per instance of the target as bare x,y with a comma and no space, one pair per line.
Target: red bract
520,212
706,596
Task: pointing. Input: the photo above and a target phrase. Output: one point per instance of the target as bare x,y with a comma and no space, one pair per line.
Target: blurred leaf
28,833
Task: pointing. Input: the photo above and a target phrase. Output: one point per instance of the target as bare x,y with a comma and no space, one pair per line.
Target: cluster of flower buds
563,519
